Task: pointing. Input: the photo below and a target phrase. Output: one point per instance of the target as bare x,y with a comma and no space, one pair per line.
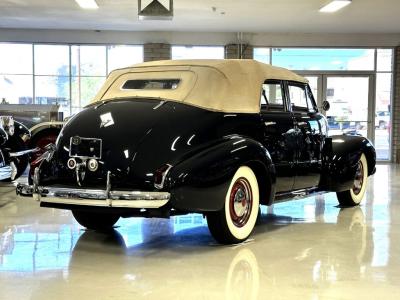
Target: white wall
199,38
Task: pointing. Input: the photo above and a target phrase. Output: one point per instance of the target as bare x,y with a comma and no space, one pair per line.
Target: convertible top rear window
151,84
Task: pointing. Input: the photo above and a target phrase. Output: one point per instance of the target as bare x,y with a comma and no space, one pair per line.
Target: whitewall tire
236,221
354,196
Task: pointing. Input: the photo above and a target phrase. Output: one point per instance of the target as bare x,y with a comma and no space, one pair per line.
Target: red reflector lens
159,174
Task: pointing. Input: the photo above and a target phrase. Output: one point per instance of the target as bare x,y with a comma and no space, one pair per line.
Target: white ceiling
273,16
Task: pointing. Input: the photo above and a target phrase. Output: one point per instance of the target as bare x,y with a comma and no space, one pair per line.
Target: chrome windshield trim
95,197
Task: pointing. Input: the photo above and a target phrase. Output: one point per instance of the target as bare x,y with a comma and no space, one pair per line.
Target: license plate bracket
86,148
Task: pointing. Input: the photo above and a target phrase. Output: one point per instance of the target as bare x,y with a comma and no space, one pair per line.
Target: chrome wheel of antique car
354,196
235,222
95,221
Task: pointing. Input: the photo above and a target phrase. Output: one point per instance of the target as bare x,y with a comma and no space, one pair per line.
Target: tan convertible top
226,85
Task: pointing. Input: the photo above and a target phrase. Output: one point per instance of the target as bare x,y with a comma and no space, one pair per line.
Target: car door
310,127
279,133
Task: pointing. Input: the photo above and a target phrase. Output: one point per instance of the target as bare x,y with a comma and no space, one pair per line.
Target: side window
298,96
272,95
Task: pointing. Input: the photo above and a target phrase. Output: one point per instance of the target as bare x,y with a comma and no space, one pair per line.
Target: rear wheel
354,196
235,222
95,221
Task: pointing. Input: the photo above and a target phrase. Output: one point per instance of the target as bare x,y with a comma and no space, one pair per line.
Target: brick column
232,51
396,108
156,51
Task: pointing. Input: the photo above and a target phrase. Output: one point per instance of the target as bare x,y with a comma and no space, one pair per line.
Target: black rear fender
341,154
200,182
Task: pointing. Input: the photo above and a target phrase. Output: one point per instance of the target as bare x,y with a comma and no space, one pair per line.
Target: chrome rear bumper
94,197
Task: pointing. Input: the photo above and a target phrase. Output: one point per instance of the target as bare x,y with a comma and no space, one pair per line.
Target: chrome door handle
269,123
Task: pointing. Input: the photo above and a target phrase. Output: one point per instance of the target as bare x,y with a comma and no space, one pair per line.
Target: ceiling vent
155,10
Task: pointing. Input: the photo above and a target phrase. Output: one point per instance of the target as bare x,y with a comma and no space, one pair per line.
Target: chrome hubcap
241,202
359,179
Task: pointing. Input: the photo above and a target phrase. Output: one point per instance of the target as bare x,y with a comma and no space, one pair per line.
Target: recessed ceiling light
87,4
334,6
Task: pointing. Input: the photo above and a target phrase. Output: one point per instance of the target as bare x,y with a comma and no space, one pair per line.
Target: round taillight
71,163
93,165
160,174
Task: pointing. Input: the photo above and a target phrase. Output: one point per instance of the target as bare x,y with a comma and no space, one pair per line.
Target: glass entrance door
350,100
352,111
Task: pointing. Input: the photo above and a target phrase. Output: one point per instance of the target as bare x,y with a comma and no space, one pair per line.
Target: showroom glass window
16,73
90,65
120,56
262,55
197,52
383,101
89,71
67,75
323,59
52,71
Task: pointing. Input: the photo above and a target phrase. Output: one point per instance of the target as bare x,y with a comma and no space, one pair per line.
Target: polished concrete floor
305,249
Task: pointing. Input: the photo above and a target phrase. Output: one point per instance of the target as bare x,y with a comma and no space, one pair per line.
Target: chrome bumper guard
93,197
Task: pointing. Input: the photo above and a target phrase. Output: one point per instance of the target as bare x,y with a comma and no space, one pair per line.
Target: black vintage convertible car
217,137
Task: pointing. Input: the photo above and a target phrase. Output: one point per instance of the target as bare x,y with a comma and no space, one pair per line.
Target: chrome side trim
20,153
93,197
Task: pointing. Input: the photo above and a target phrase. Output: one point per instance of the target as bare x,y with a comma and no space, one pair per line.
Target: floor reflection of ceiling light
87,4
334,6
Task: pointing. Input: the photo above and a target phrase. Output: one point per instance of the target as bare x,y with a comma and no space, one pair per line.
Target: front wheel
354,196
235,222
95,221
